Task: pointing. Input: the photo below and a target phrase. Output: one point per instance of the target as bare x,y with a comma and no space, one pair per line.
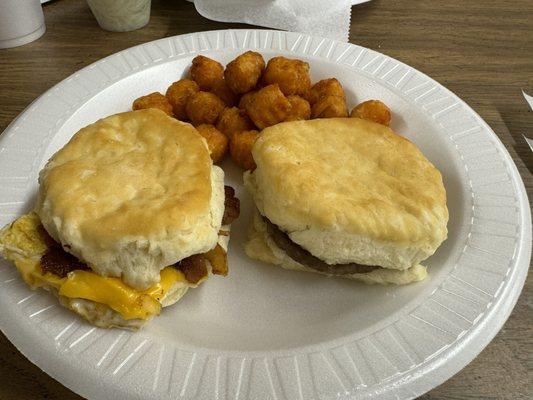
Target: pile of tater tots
229,107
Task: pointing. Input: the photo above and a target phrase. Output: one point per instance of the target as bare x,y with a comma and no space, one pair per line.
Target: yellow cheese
127,301
22,243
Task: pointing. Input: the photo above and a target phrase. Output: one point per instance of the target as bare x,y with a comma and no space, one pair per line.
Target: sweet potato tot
233,120
291,75
206,72
216,141
243,73
246,99
372,110
204,108
300,109
153,100
178,95
268,107
222,90
324,88
329,107
241,149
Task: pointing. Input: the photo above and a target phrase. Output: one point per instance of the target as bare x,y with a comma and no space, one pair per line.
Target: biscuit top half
348,175
131,194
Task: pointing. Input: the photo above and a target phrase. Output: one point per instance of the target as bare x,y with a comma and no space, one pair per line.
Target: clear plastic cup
121,15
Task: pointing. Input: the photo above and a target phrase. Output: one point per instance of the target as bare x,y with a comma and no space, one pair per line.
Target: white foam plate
263,332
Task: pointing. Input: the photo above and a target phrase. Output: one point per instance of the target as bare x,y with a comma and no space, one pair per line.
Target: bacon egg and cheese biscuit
130,214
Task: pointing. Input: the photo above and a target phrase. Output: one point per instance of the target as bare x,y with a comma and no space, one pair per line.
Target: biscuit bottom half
261,246
103,301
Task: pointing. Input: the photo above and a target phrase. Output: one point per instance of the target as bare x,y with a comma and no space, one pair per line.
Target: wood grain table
481,50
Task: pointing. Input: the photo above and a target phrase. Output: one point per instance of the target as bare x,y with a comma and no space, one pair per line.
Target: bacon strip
58,262
231,206
194,267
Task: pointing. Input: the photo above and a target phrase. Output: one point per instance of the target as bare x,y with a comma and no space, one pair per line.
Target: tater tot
240,147
245,99
216,141
178,94
222,90
292,76
372,110
300,109
204,108
206,72
329,107
268,107
153,100
233,120
323,88
243,73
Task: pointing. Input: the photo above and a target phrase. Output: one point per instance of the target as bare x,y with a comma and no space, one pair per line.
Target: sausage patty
302,256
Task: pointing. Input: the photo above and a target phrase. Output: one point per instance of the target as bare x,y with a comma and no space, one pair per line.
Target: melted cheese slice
24,243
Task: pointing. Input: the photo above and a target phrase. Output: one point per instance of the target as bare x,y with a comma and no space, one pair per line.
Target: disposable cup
21,22
121,15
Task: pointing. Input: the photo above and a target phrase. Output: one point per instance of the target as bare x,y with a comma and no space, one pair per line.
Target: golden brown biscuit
206,72
178,95
153,100
216,141
243,73
372,110
268,106
349,191
292,76
142,194
204,108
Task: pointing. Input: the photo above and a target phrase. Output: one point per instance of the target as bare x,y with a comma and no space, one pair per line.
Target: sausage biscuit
345,197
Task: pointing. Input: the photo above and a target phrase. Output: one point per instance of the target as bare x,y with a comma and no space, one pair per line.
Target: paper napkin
326,18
